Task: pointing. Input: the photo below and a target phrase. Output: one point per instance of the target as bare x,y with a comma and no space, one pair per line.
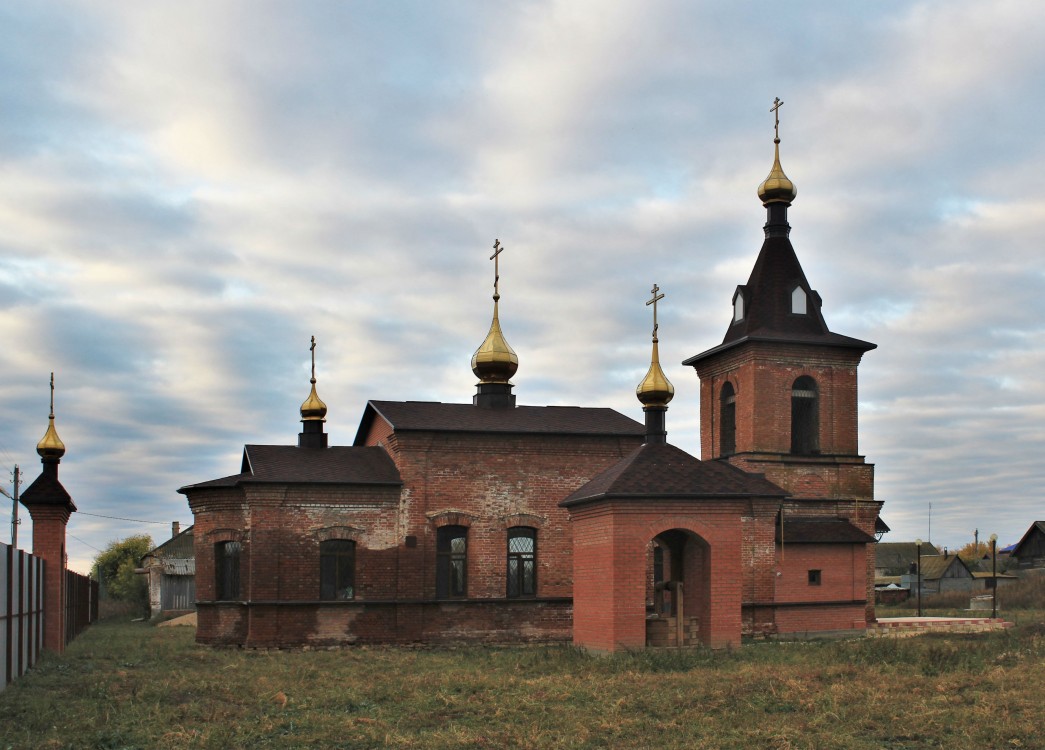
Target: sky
190,190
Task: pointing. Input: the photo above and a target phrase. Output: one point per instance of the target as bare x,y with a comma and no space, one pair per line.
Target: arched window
522,561
805,417
451,561
226,570
337,569
728,421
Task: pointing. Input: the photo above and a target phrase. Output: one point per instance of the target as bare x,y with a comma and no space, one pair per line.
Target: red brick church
490,521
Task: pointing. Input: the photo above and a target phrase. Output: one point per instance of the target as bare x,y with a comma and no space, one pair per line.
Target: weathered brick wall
487,483
762,375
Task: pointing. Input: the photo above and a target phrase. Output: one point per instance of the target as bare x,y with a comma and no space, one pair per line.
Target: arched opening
805,417
678,589
728,420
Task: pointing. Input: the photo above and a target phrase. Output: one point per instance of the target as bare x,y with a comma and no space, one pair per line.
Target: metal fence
21,611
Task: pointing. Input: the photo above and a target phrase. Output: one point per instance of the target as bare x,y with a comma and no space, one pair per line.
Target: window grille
522,561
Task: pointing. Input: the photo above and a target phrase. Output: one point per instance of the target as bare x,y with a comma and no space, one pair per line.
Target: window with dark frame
805,417
814,577
522,561
337,569
728,421
226,570
451,562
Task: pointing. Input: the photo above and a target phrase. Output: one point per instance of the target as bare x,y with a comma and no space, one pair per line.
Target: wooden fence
22,609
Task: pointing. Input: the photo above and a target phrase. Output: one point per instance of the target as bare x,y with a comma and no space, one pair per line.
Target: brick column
49,544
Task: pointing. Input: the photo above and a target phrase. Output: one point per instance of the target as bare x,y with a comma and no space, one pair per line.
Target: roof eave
844,342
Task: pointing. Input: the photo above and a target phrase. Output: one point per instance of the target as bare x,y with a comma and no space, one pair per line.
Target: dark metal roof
767,314
432,416
662,471
816,530
47,490
289,464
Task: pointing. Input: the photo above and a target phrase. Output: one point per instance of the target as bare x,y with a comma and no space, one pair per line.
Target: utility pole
14,510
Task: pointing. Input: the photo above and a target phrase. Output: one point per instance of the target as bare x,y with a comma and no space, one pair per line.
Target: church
491,521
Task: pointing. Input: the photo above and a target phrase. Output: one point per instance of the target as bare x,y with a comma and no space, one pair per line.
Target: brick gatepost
50,506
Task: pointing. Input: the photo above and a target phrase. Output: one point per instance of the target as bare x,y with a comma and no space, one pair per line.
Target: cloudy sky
190,190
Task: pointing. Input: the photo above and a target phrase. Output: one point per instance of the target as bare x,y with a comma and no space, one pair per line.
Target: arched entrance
678,589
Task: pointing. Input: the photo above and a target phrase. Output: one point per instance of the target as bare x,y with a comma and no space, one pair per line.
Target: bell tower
778,396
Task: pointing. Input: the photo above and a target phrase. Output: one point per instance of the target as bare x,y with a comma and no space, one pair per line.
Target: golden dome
313,408
495,361
655,389
50,445
777,188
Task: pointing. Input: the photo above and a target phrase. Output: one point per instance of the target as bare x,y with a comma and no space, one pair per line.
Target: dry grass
135,686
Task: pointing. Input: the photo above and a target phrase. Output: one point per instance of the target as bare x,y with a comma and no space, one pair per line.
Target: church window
728,421
226,570
805,417
451,564
799,303
814,577
337,569
738,307
522,561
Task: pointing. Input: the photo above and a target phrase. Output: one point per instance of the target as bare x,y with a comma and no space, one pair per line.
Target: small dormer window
738,305
799,303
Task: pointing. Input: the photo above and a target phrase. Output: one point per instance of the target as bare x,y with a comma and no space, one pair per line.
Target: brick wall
487,483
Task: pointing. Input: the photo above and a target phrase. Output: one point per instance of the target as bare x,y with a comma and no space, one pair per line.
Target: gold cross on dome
313,350
775,109
497,250
52,395
653,302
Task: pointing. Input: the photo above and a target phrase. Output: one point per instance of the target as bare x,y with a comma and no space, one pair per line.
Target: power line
117,518
81,541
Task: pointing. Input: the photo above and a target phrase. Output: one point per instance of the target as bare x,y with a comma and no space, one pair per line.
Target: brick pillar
49,544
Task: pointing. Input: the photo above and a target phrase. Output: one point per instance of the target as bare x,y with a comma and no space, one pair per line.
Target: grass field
131,685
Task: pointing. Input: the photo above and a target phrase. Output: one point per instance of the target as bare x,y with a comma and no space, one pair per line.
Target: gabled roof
1036,527
662,471
900,554
937,565
816,530
283,464
433,416
767,313
47,490
177,547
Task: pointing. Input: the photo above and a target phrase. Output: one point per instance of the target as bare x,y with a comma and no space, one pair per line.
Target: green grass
135,686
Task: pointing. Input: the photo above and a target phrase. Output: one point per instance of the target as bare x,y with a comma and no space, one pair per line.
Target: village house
1029,552
170,571
492,521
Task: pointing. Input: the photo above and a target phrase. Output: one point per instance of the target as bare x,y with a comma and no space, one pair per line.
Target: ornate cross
52,395
313,350
497,250
775,109
653,302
